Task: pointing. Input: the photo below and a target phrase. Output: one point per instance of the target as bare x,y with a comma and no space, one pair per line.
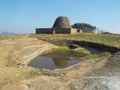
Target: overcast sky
23,16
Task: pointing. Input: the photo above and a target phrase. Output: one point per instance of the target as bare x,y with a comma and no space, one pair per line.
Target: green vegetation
92,56
63,48
106,54
109,40
78,50
98,38
81,50
84,27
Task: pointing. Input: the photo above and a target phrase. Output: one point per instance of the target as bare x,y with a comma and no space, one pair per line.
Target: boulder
73,46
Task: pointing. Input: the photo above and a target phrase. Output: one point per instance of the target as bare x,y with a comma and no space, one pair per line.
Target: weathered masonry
44,31
61,26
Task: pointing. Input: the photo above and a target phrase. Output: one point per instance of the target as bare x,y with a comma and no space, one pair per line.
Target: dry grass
10,72
99,38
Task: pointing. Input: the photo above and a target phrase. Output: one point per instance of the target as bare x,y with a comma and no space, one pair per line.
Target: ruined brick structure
44,31
61,26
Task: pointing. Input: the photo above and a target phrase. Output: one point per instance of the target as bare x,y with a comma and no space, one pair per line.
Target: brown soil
94,74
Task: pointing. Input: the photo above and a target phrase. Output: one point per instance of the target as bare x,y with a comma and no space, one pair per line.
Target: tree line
85,27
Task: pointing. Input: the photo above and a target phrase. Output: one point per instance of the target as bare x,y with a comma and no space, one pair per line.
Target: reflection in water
60,62
55,60
51,63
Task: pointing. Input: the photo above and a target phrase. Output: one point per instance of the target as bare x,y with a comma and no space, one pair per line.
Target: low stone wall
102,47
95,45
53,31
62,30
44,31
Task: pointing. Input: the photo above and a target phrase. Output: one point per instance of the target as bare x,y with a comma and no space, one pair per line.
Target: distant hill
6,33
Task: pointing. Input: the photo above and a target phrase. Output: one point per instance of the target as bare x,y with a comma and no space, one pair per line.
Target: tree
85,27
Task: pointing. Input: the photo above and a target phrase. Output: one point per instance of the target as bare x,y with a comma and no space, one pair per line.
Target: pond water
56,60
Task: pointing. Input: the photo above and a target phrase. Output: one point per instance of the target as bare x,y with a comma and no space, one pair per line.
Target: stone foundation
55,31
44,31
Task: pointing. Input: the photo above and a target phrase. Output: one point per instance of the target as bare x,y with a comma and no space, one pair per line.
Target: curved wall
86,44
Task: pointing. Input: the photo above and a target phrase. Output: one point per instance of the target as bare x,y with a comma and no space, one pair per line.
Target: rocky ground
15,53
99,74
94,74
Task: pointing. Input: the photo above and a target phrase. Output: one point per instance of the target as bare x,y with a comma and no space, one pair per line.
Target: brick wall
63,30
44,31
53,31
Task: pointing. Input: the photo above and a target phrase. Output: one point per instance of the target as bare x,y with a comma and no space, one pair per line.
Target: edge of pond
85,44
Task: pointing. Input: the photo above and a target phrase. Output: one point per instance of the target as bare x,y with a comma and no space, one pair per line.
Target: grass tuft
92,56
97,38
63,48
81,50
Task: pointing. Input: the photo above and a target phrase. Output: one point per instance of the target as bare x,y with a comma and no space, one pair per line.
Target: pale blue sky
23,16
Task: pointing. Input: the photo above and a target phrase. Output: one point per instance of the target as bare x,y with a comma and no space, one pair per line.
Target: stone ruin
61,26
62,22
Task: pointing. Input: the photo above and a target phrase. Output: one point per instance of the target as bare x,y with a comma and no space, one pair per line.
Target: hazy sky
23,16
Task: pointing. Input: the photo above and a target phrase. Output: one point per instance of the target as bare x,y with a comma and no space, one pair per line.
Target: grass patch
97,38
105,54
63,48
93,56
81,50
